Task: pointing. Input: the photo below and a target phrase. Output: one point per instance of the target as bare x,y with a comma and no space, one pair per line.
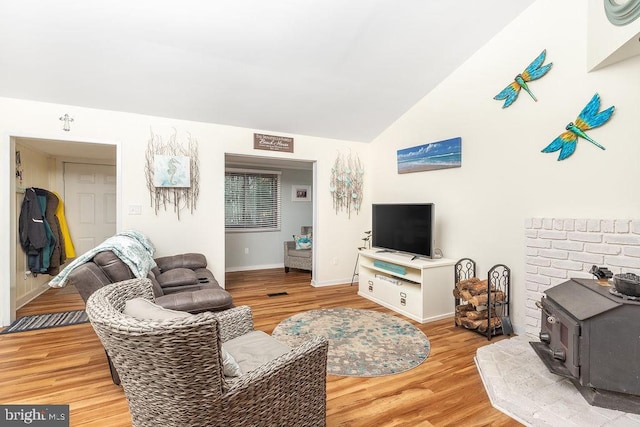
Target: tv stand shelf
417,288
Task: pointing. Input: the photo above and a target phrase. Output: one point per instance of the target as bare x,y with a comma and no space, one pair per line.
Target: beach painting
435,155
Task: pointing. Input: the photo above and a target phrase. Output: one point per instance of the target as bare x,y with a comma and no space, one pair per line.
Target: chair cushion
255,349
300,253
303,241
230,367
143,309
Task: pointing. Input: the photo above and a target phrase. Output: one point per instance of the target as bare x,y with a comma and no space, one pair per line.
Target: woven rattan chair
172,373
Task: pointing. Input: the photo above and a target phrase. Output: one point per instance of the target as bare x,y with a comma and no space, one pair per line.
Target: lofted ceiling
343,69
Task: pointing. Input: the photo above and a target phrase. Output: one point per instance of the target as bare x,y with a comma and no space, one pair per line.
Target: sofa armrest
234,322
188,260
289,246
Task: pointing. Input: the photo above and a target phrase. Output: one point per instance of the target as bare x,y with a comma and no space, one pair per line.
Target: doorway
245,251
55,152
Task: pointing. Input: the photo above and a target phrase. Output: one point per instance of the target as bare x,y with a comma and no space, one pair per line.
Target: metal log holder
498,280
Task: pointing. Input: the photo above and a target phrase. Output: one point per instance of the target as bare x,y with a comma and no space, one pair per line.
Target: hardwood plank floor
68,365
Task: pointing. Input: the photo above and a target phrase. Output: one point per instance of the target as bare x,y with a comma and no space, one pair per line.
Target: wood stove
591,334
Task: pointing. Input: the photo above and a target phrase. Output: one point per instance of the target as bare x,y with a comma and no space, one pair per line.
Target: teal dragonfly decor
588,118
534,71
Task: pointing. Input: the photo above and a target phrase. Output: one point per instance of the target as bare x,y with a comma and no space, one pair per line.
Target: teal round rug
362,343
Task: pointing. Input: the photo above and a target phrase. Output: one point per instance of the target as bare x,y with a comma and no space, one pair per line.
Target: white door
90,204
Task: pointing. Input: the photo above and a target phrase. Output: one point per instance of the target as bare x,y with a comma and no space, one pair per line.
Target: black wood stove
590,334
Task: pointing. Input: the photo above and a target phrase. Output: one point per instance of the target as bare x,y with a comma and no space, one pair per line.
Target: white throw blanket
132,247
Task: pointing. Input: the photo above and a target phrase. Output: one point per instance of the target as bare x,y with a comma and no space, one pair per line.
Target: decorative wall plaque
272,143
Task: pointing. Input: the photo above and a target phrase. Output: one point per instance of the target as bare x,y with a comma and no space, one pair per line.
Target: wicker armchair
298,258
172,373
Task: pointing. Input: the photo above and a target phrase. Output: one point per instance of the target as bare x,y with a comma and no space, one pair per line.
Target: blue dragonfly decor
588,118
534,71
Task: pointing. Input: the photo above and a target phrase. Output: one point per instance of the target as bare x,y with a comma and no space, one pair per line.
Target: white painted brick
528,223
607,226
588,258
537,243
531,286
581,275
547,223
555,235
622,226
621,261
635,226
567,265
585,237
531,233
553,272
531,303
542,262
593,225
581,225
558,224
569,225
536,279
536,223
568,245
530,251
532,330
623,239
533,313
631,251
552,253
531,269
602,249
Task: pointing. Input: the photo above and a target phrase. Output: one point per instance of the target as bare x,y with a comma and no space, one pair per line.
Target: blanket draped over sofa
132,247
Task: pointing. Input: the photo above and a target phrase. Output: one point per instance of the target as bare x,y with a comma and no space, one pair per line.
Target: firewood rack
492,298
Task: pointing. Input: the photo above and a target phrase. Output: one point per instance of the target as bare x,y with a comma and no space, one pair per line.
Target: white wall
203,231
481,207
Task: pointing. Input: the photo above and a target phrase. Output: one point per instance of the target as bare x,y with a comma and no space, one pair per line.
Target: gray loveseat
180,282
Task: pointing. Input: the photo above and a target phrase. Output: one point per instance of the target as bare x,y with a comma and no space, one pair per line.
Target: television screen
405,228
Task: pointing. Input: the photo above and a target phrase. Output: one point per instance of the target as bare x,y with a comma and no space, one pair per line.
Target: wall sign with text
272,143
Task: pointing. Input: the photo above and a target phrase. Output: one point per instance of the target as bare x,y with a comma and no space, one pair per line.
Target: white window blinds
252,200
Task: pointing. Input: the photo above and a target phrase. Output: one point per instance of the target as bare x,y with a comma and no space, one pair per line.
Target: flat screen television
404,227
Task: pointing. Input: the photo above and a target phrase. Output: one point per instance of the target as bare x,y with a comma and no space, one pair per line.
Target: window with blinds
252,200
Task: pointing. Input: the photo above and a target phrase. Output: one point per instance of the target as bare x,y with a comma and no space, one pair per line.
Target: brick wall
558,249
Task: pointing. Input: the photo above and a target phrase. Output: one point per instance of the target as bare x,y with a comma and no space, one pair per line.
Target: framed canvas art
171,171
436,155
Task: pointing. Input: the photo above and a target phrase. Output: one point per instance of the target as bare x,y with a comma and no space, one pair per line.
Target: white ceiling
344,69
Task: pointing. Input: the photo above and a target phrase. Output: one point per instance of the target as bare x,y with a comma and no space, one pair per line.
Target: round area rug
362,343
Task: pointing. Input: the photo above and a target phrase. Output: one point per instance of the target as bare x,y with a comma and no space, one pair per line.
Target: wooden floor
67,365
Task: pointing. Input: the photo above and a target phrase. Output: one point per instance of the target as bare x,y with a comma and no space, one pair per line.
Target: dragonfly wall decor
534,71
588,118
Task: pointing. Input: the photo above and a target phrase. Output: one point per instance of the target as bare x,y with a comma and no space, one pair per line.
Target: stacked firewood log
472,313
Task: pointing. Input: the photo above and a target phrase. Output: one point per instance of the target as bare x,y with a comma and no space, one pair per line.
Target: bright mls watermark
34,415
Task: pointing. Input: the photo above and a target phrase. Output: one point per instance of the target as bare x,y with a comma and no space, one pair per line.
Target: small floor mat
44,321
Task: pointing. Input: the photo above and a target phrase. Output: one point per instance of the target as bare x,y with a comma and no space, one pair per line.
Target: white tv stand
419,289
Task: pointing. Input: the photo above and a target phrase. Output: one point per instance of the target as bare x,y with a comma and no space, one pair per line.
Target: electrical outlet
246,251
334,261
135,209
